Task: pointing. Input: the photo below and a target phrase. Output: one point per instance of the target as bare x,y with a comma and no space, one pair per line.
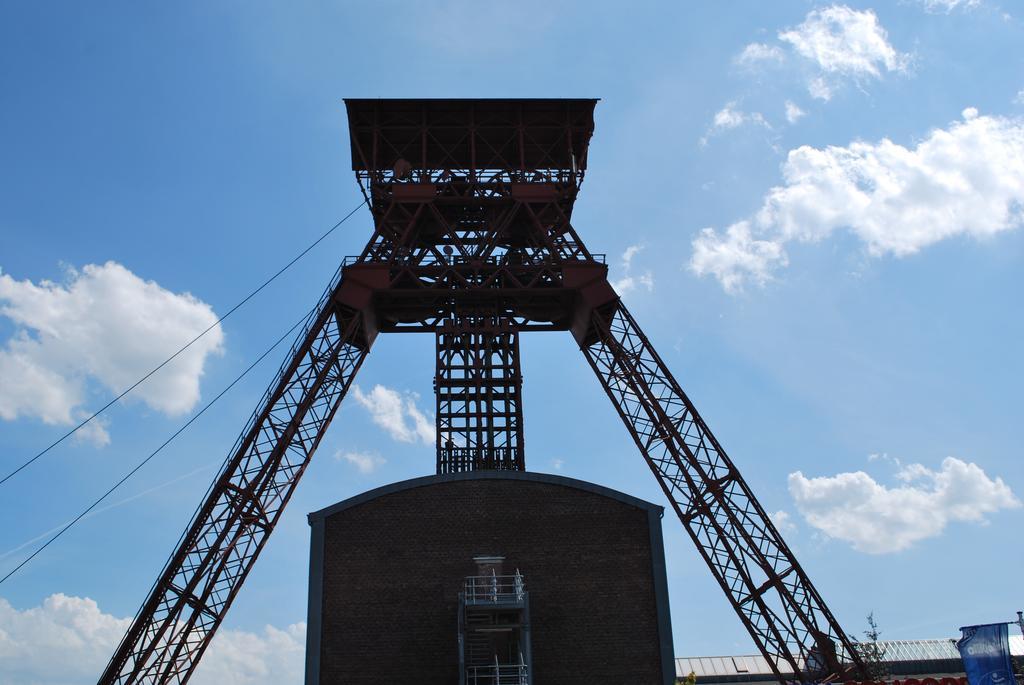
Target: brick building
468,577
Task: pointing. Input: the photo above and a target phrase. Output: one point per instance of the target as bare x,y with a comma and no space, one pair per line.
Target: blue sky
814,211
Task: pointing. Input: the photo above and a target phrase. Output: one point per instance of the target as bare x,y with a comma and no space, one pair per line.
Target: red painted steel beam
770,592
230,528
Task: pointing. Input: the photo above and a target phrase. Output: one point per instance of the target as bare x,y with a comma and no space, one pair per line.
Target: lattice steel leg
769,590
196,588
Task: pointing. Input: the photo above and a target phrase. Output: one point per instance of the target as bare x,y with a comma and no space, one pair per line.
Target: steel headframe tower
472,241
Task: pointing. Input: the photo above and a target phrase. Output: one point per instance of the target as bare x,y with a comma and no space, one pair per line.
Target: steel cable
186,346
156,451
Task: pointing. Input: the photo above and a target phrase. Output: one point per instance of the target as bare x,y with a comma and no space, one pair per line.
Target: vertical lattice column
478,386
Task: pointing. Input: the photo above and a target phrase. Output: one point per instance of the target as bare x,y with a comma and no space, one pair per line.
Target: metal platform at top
470,135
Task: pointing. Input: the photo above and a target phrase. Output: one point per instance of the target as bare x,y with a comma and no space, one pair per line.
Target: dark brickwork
392,567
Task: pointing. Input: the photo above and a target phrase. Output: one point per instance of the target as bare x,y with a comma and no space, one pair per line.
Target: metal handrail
517,259
498,674
494,588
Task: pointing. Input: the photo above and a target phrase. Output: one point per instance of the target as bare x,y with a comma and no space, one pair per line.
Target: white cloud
629,281
965,180
83,637
884,456
820,89
629,253
72,627
1019,100
396,413
363,461
729,118
735,257
95,433
793,112
240,657
756,54
834,44
783,521
843,43
877,519
104,326
948,6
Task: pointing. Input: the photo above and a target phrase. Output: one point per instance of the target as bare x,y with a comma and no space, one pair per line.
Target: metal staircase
494,630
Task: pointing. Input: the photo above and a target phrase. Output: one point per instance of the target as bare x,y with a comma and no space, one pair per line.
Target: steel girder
478,390
761,577
231,526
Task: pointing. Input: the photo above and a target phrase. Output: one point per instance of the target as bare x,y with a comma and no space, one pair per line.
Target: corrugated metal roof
895,650
919,650
706,666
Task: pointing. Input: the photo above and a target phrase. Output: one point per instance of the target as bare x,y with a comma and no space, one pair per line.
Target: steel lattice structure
478,387
472,202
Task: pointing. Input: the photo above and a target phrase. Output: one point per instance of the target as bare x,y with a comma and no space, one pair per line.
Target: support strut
231,526
478,387
765,584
